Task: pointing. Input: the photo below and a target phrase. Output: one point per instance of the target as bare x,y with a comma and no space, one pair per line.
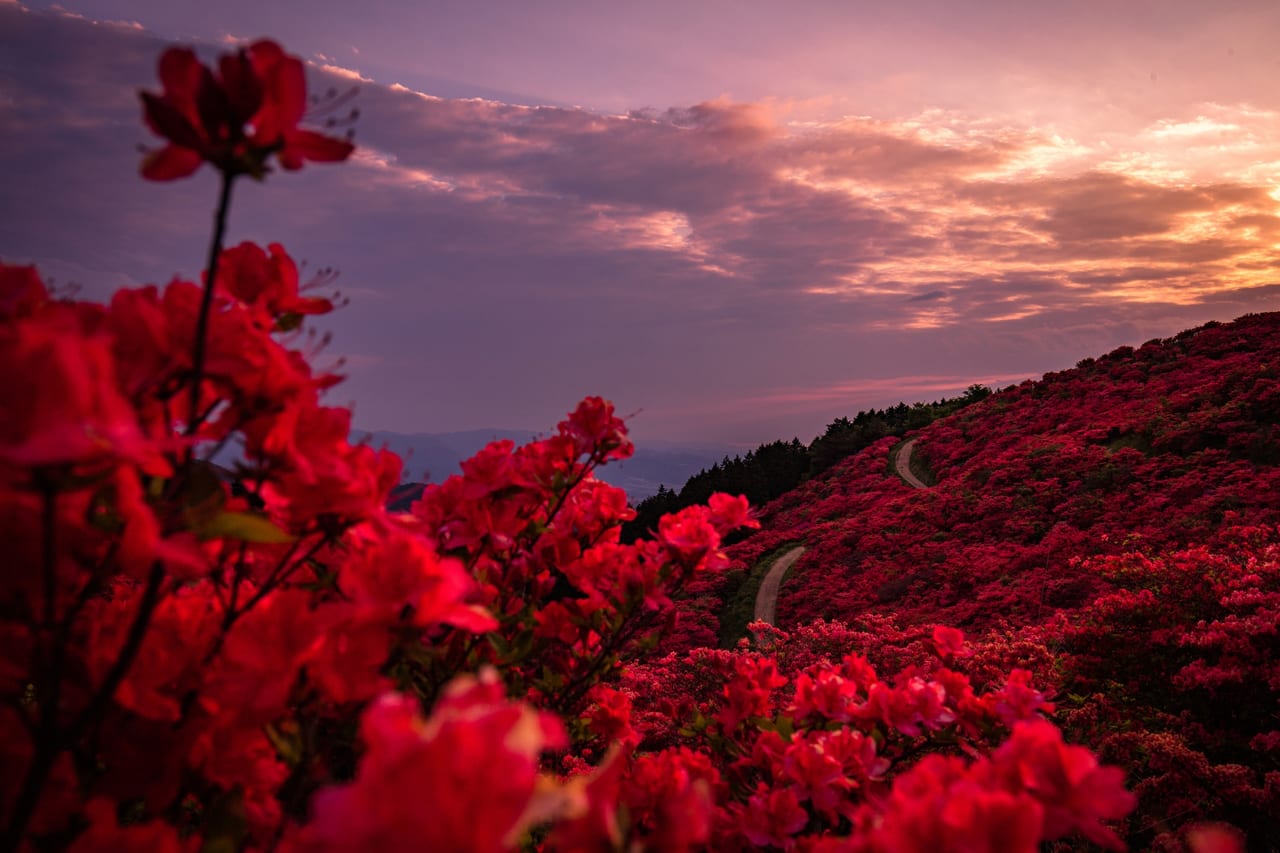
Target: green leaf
325,579
521,646
498,643
288,743
551,681
245,527
155,487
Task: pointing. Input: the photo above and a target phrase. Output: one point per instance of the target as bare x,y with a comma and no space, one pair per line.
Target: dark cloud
1098,207
881,153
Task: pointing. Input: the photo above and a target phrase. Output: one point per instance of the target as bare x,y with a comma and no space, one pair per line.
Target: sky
738,220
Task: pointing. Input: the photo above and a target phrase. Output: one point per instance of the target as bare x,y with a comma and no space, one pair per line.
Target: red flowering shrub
1176,678
268,658
824,750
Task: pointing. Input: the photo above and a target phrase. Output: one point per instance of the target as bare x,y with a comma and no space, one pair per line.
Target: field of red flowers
270,659
1111,528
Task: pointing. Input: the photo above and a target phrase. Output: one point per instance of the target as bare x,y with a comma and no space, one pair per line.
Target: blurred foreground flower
235,119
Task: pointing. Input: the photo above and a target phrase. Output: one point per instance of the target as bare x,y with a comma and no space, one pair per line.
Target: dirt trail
767,597
902,465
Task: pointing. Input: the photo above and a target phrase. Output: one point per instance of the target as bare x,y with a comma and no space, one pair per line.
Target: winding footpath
767,597
902,465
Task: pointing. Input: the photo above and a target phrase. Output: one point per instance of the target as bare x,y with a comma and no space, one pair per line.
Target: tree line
776,468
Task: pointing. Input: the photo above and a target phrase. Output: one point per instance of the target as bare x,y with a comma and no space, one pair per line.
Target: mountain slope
1110,528
1153,448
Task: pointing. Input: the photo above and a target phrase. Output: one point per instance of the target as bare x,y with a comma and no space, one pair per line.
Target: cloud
339,71
850,209
686,260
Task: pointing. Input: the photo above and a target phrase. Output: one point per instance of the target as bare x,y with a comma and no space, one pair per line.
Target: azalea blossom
236,118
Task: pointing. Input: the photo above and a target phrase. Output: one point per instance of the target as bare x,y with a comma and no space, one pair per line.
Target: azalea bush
1174,675
264,657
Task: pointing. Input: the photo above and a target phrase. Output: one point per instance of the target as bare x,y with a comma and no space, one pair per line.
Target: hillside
1161,447
1111,527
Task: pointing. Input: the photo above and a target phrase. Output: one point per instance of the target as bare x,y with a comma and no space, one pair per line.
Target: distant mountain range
432,457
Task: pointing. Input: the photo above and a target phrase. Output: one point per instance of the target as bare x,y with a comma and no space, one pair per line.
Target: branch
198,352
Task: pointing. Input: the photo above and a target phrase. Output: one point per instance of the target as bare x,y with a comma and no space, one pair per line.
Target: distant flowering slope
1113,528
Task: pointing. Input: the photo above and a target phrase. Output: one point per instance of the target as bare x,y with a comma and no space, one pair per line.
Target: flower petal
309,145
168,121
170,162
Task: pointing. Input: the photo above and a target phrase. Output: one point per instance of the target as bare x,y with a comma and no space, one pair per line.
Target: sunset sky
738,220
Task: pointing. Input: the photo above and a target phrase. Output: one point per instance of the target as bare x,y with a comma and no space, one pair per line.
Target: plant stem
278,575
206,303
128,653
49,696
51,740
49,526
32,785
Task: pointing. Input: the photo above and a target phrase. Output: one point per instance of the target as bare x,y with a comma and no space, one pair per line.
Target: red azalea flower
1075,791
235,119
728,513
596,431
610,718
948,643
21,291
474,761
284,91
61,398
689,538
772,817
670,797
267,284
